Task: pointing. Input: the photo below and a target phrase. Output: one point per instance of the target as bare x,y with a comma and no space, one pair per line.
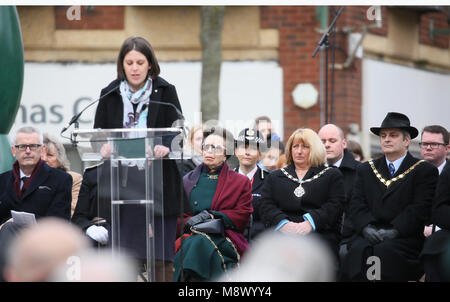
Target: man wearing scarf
31,186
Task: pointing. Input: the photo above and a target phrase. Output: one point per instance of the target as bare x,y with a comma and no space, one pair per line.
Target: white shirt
336,164
250,174
441,167
396,162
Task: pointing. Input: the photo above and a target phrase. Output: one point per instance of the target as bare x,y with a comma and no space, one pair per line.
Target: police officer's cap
249,136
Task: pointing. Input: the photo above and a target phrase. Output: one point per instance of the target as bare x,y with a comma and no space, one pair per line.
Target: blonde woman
304,197
55,155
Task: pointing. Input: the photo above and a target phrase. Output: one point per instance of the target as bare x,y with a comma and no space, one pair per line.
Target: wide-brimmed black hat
396,120
249,136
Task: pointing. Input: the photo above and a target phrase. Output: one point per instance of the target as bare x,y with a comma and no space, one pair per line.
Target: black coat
439,241
94,201
109,115
87,204
323,199
405,206
49,194
257,186
348,169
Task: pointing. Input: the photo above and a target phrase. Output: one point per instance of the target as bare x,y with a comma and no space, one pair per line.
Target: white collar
23,174
396,162
441,167
250,174
336,164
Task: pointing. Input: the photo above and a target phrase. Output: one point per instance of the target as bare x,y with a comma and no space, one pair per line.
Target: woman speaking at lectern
128,104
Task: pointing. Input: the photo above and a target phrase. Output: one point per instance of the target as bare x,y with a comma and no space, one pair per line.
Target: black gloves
371,234
388,233
199,218
374,236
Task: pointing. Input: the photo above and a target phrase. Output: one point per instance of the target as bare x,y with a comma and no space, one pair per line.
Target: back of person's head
97,266
39,249
355,148
277,257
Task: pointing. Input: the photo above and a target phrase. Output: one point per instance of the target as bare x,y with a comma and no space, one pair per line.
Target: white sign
54,92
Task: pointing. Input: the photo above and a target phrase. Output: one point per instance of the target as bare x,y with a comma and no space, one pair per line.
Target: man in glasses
31,186
434,148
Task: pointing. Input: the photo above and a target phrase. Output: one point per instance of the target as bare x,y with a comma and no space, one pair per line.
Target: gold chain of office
387,183
300,191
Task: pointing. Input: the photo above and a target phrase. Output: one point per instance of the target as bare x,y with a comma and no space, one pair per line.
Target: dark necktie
24,180
391,169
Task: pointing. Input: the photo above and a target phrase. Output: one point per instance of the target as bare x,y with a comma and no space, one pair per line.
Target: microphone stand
324,42
182,198
73,137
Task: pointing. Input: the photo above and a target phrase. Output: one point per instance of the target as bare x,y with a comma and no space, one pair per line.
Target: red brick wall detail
298,35
100,17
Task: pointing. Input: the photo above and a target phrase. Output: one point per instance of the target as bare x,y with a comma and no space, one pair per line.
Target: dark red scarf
16,172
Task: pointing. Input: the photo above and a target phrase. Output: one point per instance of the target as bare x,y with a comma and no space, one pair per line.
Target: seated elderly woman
304,197
214,191
55,156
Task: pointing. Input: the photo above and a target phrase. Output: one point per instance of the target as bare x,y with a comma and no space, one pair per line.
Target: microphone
77,116
180,115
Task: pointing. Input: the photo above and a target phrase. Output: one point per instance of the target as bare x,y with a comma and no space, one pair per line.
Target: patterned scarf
138,119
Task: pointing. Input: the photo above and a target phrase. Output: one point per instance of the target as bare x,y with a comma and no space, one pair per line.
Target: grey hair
29,130
61,156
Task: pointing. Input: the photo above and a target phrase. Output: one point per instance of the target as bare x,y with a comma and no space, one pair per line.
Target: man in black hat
247,150
390,204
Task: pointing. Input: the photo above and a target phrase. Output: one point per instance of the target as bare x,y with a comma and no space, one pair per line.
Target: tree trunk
212,18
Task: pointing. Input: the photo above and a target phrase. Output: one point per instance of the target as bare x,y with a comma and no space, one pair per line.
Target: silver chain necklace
300,191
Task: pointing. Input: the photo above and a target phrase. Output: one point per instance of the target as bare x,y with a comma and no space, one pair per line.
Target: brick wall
94,17
298,34
440,22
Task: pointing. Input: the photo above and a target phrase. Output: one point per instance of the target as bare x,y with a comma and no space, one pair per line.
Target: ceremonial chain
390,181
300,191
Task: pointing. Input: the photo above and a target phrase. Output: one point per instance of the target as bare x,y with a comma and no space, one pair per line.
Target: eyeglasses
432,145
214,148
33,147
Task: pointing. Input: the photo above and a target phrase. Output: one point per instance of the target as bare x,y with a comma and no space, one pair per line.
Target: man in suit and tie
434,148
31,186
390,205
338,156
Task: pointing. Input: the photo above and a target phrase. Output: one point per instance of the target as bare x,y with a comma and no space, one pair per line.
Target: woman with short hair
55,156
214,192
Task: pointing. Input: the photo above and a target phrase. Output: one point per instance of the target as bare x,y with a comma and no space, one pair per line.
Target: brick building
401,62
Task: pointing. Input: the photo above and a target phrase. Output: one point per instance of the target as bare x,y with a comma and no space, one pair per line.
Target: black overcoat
323,199
348,169
404,205
109,115
49,194
439,242
257,186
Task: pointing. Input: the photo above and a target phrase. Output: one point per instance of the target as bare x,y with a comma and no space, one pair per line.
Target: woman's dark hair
227,137
144,47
